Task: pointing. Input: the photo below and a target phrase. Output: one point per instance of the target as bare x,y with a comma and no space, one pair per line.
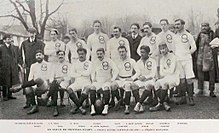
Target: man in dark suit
8,67
27,55
134,40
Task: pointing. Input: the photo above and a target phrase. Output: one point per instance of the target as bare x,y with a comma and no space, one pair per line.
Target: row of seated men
103,79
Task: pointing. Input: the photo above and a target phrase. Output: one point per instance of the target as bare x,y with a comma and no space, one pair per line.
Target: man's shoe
33,110
127,110
26,106
200,93
41,102
62,103
105,110
56,112
183,100
141,109
166,106
117,106
191,101
49,103
93,112
112,104
5,99
83,111
74,110
155,108
137,107
212,94
11,97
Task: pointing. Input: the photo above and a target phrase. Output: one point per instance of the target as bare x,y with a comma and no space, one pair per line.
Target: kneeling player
169,77
38,80
146,80
126,67
81,72
104,73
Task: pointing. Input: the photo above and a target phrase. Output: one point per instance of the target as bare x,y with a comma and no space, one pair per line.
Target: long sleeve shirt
147,69
169,38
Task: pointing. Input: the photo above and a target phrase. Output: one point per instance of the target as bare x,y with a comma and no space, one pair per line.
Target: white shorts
103,85
186,69
170,80
145,83
122,82
79,85
64,84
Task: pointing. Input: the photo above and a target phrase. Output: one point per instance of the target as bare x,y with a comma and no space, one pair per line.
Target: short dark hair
39,51
117,27
6,36
73,29
136,24
54,30
164,20
181,21
66,37
122,47
148,23
146,48
82,49
101,49
97,21
60,51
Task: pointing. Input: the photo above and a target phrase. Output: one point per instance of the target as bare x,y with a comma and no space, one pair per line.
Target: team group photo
130,67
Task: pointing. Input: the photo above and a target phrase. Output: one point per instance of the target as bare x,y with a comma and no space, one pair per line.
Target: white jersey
40,70
147,69
104,70
81,71
51,48
112,47
185,45
168,65
72,47
150,41
126,68
61,70
169,38
96,41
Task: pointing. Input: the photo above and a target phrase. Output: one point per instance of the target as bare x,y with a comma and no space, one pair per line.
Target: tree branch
56,8
22,7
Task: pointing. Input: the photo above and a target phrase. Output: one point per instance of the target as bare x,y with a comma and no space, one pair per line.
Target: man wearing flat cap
27,54
8,67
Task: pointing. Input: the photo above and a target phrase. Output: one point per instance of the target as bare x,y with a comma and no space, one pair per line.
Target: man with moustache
134,40
96,40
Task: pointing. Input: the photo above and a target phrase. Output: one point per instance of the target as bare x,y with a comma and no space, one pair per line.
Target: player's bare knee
69,90
28,90
114,86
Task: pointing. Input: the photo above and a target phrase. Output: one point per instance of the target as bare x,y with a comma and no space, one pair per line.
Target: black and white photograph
109,66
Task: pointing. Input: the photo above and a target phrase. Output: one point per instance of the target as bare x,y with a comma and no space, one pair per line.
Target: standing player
169,77
103,77
185,46
96,40
73,46
82,74
27,55
146,80
166,36
126,67
115,42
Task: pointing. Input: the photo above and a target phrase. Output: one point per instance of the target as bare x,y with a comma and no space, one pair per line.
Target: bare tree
28,7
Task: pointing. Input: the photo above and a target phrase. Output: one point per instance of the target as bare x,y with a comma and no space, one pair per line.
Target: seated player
103,77
82,82
38,81
146,80
126,78
59,79
169,77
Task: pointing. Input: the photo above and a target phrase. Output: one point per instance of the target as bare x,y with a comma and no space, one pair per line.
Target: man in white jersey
126,78
169,72
53,46
166,36
150,40
115,42
82,80
60,79
146,80
104,73
185,46
38,81
96,40
73,46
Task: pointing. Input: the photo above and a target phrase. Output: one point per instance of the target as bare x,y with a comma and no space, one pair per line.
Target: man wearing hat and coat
8,67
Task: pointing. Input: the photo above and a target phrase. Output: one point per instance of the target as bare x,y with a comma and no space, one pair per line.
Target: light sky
78,10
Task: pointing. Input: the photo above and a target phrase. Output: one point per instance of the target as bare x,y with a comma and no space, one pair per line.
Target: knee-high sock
53,91
115,93
93,96
79,93
136,95
163,94
144,95
121,92
32,98
61,93
74,98
82,98
106,96
127,97
190,89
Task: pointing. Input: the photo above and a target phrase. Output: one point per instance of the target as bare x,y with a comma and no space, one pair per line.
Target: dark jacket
8,66
134,43
215,58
